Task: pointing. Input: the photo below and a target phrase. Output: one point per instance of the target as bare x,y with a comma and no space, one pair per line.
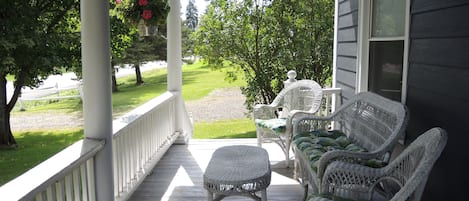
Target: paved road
69,81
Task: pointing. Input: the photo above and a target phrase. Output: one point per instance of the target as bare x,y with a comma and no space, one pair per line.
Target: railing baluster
140,139
59,190
76,185
68,187
49,193
84,182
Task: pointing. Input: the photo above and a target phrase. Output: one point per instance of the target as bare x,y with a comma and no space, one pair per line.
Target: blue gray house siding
437,83
438,89
347,35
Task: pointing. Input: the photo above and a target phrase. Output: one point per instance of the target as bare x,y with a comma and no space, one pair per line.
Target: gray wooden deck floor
179,174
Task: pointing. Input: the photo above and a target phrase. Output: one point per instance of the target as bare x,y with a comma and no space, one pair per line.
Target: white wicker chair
299,99
408,173
371,121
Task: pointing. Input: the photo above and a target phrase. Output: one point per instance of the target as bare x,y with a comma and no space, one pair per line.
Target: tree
265,39
187,42
37,38
146,48
192,15
121,39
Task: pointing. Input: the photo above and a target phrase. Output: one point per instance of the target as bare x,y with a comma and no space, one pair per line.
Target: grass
236,128
34,147
198,81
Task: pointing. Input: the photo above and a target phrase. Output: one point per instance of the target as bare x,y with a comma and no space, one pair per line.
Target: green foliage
192,15
122,37
187,41
37,38
266,39
152,12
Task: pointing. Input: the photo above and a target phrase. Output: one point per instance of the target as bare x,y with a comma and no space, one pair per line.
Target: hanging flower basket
146,13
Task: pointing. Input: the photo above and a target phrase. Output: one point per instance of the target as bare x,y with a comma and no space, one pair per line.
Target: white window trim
364,16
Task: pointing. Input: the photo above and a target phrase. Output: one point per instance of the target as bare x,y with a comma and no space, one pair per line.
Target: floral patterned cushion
315,143
277,125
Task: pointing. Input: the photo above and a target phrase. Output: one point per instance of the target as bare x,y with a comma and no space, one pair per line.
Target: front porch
178,176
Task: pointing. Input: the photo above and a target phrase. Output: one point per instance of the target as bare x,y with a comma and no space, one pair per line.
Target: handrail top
121,122
326,91
35,180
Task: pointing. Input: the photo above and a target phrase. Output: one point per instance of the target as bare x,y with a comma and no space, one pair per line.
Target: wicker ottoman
238,170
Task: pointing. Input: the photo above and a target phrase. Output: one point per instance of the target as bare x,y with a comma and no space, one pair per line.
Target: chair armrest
312,122
350,180
263,111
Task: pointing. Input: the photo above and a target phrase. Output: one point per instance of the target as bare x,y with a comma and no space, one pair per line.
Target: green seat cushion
277,125
324,197
315,143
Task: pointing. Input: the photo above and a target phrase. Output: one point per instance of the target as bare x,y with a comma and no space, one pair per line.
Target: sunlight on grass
233,128
198,81
34,147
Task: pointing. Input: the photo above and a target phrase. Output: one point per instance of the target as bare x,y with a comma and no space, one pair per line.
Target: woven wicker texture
238,170
369,120
299,99
408,172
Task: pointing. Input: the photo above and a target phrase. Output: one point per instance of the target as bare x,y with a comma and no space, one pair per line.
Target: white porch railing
332,98
65,176
140,139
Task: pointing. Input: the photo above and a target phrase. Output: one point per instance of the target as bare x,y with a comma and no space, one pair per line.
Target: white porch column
97,100
174,61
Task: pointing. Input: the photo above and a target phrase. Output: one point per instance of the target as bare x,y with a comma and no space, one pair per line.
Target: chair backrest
411,168
305,95
372,121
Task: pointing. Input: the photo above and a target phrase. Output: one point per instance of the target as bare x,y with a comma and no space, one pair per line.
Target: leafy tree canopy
37,38
266,39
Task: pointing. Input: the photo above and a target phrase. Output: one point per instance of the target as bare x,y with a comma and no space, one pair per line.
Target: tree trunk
138,75
114,80
6,136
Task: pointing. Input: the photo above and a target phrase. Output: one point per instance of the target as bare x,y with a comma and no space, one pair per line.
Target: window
383,47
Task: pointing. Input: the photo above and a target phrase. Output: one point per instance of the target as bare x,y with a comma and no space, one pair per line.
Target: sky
201,5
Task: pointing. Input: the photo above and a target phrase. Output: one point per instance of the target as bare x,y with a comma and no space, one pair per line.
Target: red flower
147,14
118,1
142,2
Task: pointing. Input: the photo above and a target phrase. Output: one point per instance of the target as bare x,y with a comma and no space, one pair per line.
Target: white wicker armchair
274,121
407,174
368,121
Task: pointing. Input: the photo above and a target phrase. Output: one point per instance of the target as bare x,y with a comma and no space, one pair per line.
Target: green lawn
198,81
237,128
34,147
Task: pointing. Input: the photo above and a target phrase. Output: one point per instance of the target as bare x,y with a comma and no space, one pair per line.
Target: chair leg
287,156
259,137
305,195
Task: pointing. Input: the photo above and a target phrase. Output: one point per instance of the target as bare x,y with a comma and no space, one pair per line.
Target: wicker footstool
238,170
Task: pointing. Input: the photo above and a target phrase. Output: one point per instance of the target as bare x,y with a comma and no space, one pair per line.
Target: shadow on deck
179,174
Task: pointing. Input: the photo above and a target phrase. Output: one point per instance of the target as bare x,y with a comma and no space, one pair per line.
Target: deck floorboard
179,174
